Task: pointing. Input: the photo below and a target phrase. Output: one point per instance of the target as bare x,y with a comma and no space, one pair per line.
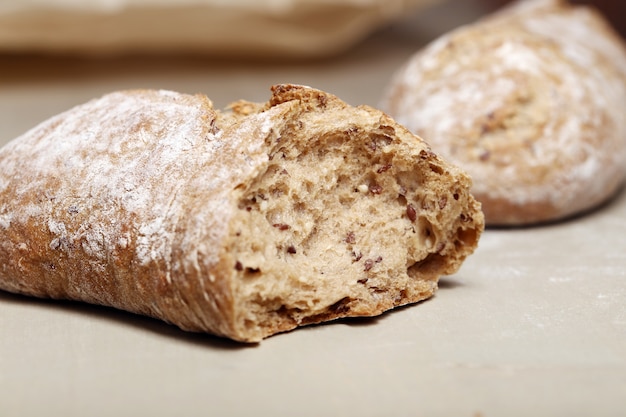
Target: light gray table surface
534,323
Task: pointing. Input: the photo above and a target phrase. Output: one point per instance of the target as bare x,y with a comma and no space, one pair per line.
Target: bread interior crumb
345,225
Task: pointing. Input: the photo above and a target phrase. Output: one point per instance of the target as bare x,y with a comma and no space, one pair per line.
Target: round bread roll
530,102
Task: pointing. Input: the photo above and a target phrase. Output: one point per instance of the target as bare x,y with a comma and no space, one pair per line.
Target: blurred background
58,53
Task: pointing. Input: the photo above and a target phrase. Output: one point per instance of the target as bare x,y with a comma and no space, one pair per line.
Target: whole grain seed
411,213
383,168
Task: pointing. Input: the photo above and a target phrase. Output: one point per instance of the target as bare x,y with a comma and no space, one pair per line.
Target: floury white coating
529,101
225,222
122,164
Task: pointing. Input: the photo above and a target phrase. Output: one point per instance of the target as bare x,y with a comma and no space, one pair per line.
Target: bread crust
529,102
140,200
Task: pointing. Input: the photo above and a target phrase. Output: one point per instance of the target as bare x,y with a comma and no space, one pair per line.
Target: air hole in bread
339,239
466,236
242,223
430,263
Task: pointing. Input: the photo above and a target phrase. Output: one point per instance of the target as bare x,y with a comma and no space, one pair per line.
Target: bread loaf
241,223
274,29
530,102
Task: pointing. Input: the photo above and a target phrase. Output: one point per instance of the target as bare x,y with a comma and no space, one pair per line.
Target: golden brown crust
527,102
152,202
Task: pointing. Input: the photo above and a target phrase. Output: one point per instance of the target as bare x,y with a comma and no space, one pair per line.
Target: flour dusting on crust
241,223
138,144
527,102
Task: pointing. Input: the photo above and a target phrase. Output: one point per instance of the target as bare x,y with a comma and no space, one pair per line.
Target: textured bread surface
241,223
530,102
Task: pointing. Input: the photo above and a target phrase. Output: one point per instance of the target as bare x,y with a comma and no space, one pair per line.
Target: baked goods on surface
241,223
234,28
530,102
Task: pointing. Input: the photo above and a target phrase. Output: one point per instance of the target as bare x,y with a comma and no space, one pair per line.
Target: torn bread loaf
530,101
241,223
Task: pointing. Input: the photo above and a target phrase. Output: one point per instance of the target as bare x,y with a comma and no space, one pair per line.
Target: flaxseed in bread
241,223
530,102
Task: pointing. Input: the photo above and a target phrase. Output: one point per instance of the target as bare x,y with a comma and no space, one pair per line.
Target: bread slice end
352,215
